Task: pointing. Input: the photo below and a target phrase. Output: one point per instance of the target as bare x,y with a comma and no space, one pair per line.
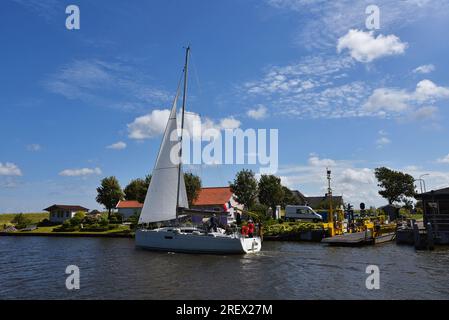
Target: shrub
20,221
80,215
66,227
291,228
90,219
75,221
104,222
47,223
115,218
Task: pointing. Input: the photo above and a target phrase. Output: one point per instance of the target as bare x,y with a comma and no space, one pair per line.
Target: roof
434,193
213,196
299,195
317,201
66,207
390,206
129,204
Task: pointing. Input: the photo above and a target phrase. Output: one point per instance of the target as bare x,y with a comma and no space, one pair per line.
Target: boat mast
182,129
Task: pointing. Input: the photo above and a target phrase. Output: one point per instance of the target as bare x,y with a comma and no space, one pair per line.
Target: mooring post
416,238
430,236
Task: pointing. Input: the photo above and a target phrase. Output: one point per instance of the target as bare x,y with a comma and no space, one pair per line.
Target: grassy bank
34,218
120,231
5,218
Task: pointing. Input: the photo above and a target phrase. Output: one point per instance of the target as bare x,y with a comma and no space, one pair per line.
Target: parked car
293,213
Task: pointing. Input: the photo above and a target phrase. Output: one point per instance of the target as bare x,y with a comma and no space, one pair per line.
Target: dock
358,239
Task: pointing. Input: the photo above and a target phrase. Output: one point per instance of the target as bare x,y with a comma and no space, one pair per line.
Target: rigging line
196,74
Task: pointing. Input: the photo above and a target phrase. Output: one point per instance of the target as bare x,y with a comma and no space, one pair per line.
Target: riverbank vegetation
38,223
291,228
32,218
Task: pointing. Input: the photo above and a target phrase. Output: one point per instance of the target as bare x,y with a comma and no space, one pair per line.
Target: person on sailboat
213,222
251,228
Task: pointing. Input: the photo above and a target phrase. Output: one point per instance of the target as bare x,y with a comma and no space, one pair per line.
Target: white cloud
444,159
402,101
352,175
149,126
153,124
364,47
117,146
427,112
258,113
310,72
387,100
315,161
310,89
426,68
47,9
356,184
9,169
353,183
34,147
326,21
427,90
110,84
382,141
229,123
80,172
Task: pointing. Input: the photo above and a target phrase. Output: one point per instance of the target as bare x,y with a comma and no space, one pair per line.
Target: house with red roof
61,212
128,208
220,199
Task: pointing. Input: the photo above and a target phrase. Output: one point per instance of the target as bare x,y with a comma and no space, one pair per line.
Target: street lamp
422,182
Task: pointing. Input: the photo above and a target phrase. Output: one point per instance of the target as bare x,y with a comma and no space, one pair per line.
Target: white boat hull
174,240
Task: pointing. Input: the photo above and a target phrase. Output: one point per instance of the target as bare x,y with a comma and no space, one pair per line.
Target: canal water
34,268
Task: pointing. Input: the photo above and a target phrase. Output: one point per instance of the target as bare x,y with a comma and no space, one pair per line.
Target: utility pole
329,194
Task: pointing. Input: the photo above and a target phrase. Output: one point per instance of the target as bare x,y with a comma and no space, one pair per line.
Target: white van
293,213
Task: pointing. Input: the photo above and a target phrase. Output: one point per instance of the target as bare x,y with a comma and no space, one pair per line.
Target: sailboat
166,200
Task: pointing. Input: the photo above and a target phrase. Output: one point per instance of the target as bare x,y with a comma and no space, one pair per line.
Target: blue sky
79,105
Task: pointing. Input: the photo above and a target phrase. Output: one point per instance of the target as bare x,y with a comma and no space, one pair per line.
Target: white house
127,208
60,213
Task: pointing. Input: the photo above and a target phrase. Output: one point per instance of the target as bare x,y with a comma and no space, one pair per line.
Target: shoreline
65,234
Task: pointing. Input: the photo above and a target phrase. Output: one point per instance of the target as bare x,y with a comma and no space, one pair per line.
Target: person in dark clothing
260,230
238,219
213,223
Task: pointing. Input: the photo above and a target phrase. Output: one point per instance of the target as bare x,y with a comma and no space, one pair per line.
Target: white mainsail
160,201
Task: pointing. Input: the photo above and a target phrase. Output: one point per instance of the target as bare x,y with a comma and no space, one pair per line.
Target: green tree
271,192
20,221
137,189
289,198
109,193
193,186
396,186
244,188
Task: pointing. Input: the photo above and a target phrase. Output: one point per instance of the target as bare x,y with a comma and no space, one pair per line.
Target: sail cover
160,201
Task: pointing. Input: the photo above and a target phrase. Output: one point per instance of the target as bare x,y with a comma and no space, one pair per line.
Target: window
67,214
